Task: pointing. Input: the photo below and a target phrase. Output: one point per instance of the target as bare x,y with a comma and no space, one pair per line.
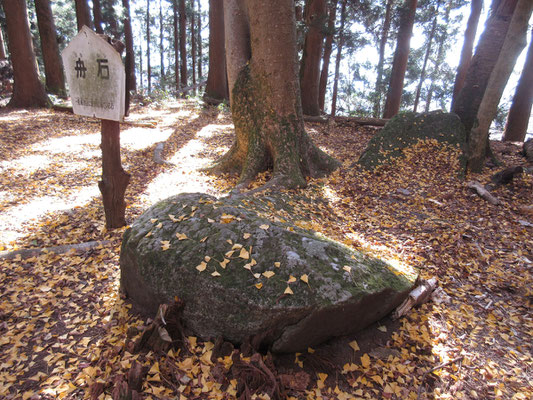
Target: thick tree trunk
266,104
428,45
468,46
328,45
148,46
217,82
183,42
83,14
379,69
520,111
97,14
515,41
175,26
2,46
399,63
340,43
490,43
310,65
53,67
129,62
200,42
27,89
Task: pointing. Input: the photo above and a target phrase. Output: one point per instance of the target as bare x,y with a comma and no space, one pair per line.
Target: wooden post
114,178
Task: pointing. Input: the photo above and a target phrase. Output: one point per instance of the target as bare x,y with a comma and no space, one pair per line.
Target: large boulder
243,277
406,129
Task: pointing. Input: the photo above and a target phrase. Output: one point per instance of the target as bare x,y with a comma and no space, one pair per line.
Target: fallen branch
419,295
482,192
433,370
78,248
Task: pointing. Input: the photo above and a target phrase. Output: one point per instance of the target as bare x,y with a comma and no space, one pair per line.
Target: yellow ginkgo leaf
277,264
354,345
207,258
258,285
202,266
382,328
347,268
159,225
215,273
210,220
365,361
224,263
248,266
291,279
181,236
257,275
305,278
229,253
148,234
288,290
203,239
173,218
154,369
269,274
153,220
264,227
247,235
165,245
244,254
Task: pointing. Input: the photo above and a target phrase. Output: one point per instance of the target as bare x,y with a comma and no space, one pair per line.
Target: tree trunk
2,46
520,111
193,47
110,18
490,43
148,45
399,63
426,57
315,16
130,54
27,89
97,14
515,41
83,14
340,43
468,46
53,67
266,105
183,42
200,42
332,13
217,81
161,48
176,43
379,69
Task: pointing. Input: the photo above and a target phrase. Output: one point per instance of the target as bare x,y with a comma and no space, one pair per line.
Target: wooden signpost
97,83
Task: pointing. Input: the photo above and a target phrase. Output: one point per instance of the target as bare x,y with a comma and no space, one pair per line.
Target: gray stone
406,129
346,290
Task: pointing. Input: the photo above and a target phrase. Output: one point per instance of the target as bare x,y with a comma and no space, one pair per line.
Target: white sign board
95,76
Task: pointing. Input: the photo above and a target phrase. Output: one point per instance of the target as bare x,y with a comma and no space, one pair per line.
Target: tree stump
114,178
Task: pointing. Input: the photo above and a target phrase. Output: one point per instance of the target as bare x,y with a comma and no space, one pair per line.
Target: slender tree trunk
27,89
2,46
183,42
315,15
141,67
490,43
176,43
379,69
399,63
97,14
468,46
161,48
53,67
83,14
514,43
426,57
266,104
130,54
193,47
110,18
148,45
520,111
199,41
322,86
340,43
216,90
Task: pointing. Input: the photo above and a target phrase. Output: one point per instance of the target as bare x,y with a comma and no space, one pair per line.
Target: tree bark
217,81
27,89
479,71
161,47
83,14
110,18
428,46
200,42
520,111
399,63
2,46
129,62
183,42
97,14
148,45
175,20
514,43
379,69
315,16
266,105
328,45
468,46
340,43
114,178
193,47
53,67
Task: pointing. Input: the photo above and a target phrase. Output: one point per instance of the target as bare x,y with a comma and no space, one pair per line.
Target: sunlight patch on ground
12,221
209,130
140,138
26,165
68,144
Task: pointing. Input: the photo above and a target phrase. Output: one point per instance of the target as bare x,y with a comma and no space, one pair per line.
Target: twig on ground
433,370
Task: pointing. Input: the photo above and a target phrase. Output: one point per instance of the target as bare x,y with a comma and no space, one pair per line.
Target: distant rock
527,150
406,129
243,277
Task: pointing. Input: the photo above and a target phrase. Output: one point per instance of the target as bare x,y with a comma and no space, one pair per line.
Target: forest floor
66,333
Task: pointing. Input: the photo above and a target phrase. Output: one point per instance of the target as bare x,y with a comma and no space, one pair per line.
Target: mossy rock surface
246,297
407,129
